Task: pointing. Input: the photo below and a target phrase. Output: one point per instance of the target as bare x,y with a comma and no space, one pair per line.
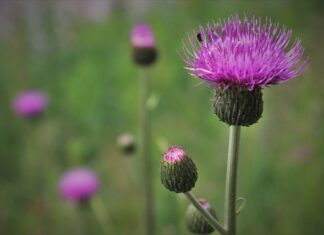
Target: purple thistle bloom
244,53
78,185
30,103
142,36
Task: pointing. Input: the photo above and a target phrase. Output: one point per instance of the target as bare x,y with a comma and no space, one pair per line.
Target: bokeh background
78,53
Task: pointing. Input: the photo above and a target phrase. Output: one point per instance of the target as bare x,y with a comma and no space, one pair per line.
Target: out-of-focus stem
145,152
231,180
101,215
211,219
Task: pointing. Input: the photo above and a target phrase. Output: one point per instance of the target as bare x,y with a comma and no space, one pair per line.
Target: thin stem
231,180
101,215
81,221
211,219
147,171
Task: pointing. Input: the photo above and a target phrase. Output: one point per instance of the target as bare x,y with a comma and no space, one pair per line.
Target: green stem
147,171
102,217
211,219
231,180
80,219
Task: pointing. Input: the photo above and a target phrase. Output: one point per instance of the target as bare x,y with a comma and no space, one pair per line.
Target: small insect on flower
239,58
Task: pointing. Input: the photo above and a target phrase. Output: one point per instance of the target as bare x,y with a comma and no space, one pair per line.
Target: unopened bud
178,171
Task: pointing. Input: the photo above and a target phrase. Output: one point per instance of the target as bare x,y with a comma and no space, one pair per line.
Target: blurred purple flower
244,53
142,36
78,185
30,103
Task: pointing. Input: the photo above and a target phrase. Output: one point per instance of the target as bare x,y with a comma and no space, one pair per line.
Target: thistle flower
245,56
78,185
178,171
30,104
195,221
143,43
244,53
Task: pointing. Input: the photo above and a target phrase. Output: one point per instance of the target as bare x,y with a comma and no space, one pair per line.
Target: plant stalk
231,180
145,151
211,219
102,217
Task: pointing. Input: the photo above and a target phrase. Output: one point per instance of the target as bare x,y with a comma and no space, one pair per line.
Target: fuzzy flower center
174,154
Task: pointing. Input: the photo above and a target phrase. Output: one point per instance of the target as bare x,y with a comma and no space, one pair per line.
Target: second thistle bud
178,171
143,43
238,106
126,143
195,222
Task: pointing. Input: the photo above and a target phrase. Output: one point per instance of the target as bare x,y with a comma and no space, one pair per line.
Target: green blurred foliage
93,92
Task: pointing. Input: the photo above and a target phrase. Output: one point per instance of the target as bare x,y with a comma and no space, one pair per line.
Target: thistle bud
178,171
238,106
126,143
195,222
143,43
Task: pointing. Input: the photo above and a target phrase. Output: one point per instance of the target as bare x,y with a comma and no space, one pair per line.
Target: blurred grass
92,85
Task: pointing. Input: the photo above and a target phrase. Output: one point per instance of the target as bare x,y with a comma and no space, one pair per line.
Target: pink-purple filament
174,154
245,53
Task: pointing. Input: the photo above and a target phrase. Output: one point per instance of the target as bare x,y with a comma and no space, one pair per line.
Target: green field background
85,68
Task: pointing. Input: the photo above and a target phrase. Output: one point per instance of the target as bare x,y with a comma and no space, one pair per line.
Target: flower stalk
231,180
238,58
145,152
102,217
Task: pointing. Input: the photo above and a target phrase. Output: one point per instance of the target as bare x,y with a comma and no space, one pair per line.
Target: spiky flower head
178,171
196,223
143,43
246,53
246,56
78,185
30,103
